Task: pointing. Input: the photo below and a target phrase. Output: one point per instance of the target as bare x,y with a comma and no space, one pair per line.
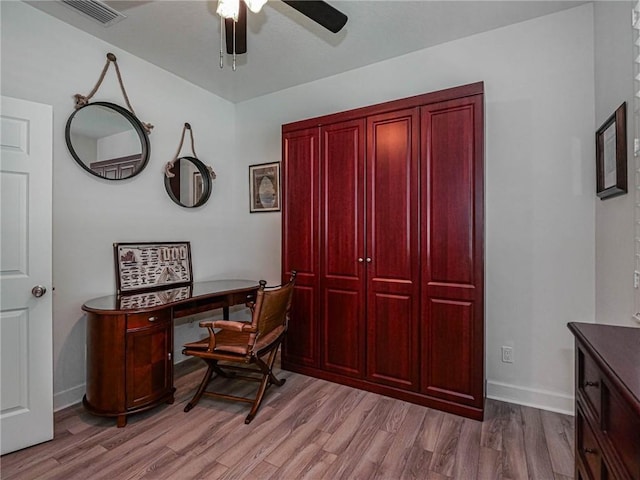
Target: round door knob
38,291
360,259
368,259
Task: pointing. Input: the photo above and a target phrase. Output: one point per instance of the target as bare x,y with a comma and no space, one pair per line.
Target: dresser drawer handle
592,451
153,319
592,384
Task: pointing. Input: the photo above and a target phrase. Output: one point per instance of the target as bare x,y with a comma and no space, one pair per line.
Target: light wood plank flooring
306,429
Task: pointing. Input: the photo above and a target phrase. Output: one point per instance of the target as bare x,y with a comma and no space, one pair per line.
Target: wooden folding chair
246,347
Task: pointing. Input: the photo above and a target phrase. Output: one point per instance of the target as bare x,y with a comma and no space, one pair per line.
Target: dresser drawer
142,320
587,447
589,382
621,427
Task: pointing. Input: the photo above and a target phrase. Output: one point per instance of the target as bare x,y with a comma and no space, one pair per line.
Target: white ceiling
284,47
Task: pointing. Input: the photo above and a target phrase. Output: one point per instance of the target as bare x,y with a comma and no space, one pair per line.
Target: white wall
540,183
614,216
47,61
118,145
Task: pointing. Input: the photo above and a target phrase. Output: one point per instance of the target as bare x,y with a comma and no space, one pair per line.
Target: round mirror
107,140
191,184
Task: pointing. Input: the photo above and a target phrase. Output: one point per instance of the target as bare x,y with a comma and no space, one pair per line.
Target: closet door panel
342,247
392,248
451,328
391,336
300,191
452,202
450,167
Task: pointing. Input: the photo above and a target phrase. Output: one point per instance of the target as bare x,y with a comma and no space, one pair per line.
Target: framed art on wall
611,155
264,187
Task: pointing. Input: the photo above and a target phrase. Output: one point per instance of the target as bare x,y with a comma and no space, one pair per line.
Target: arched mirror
190,185
107,140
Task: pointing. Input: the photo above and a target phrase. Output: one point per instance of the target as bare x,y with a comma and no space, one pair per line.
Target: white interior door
26,353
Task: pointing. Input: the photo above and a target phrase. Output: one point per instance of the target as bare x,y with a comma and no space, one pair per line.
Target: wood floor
306,429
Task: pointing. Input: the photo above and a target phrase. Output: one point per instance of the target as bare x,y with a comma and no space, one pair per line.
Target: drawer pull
153,319
592,451
592,384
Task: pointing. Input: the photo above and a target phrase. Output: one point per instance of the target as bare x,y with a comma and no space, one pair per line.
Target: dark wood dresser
607,401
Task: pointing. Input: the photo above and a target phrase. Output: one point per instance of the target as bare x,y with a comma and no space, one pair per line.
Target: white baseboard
68,397
531,397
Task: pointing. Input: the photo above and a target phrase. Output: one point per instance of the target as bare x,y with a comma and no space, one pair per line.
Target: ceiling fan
233,15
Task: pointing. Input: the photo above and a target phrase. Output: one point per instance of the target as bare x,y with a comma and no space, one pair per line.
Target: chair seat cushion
235,342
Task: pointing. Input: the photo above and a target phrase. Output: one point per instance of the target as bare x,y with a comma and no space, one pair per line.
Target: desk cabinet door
149,374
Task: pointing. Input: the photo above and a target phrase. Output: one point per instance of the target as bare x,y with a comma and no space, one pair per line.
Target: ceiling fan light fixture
228,9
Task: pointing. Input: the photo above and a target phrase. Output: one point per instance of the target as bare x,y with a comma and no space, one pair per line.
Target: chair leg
270,361
256,403
205,381
267,378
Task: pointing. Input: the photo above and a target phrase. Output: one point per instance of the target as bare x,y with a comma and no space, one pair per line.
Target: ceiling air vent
98,11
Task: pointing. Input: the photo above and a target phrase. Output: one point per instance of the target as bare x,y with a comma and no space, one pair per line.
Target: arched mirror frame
131,118
205,175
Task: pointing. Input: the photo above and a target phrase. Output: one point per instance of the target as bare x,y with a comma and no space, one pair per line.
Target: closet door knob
368,259
360,259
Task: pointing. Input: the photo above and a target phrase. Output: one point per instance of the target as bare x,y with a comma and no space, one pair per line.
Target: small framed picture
264,187
611,155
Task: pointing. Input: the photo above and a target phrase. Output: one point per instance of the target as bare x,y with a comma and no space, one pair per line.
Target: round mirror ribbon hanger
187,180
105,139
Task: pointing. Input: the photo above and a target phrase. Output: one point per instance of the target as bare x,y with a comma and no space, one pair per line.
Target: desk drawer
589,382
240,298
142,320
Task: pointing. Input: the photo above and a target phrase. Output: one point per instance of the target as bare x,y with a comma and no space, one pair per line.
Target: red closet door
300,243
452,206
392,260
342,248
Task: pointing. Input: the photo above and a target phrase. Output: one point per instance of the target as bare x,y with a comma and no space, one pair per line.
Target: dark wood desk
130,343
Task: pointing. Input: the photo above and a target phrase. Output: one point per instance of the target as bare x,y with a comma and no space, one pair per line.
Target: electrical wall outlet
507,354
636,279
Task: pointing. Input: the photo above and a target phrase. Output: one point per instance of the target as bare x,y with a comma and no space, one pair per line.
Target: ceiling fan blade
321,13
240,31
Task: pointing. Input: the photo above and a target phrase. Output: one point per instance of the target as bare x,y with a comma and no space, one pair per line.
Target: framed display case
152,265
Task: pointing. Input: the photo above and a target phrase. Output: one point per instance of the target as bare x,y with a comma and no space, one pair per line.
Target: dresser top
617,351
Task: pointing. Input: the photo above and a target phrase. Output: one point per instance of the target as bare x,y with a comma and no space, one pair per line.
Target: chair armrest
229,325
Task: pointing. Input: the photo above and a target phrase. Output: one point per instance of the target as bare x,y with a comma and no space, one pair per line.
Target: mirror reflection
107,140
190,185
